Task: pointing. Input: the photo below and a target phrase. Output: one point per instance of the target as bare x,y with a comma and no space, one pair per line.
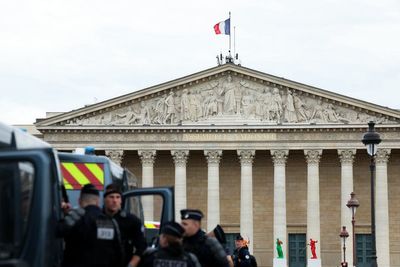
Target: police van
30,200
80,169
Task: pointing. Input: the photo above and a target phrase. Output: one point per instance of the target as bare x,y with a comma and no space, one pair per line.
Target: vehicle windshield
16,188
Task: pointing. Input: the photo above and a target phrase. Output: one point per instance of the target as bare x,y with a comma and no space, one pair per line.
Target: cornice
296,128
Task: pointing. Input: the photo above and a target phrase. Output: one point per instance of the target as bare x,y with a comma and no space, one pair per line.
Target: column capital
213,156
313,156
147,157
180,157
346,155
279,157
246,156
382,155
115,155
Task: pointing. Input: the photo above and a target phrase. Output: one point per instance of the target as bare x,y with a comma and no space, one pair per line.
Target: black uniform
92,241
242,257
207,249
132,239
171,256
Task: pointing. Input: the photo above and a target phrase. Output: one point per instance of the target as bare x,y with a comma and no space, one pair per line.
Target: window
16,188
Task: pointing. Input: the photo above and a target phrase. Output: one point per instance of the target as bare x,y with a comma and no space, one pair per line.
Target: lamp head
353,202
344,233
371,139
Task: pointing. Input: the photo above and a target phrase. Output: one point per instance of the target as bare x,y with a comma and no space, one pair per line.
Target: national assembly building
263,156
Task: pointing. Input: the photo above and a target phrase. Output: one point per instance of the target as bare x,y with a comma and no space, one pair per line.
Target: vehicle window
149,210
16,188
131,180
117,172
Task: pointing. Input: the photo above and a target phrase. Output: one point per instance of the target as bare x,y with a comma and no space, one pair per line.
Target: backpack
253,261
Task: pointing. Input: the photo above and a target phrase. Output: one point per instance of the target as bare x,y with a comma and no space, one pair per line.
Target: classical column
346,159
180,158
116,155
382,208
279,158
213,211
313,219
148,157
246,194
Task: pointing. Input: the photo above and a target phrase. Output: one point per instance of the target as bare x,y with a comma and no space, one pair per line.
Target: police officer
170,252
208,250
241,255
89,235
219,233
129,227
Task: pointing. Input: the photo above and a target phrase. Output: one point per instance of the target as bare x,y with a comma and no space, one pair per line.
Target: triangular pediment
226,95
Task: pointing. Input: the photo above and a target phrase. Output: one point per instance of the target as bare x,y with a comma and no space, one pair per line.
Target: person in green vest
279,248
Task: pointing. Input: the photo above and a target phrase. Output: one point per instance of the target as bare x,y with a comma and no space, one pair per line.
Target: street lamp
371,139
344,234
353,204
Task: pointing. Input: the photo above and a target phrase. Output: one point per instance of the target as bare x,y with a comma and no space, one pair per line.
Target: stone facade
261,155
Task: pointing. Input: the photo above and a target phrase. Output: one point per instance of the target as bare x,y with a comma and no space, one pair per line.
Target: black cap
112,189
239,237
172,228
89,189
191,214
219,234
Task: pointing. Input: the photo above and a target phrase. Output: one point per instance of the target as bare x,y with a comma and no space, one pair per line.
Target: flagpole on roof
230,22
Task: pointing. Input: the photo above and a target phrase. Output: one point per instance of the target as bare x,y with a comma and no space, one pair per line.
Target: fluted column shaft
382,208
180,159
346,157
279,158
313,214
148,157
213,199
246,194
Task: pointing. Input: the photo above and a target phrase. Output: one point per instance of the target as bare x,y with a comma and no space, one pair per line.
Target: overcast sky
60,55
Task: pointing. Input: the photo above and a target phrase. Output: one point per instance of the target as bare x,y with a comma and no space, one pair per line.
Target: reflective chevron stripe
76,175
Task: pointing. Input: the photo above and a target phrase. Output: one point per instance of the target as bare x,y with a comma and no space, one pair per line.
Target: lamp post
353,204
371,139
344,234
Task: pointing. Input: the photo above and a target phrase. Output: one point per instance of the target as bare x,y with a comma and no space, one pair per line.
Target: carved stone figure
248,104
129,117
170,113
276,105
267,100
193,116
331,114
199,106
290,112
318,112
300,107
211,104
160,110
145,113
185,105
229,98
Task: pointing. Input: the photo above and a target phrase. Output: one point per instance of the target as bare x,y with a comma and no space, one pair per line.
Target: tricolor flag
223,27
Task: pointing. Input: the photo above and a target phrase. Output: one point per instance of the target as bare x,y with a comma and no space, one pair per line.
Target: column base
280,262
314,263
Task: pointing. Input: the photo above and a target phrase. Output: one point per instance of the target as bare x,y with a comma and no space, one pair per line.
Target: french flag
223,27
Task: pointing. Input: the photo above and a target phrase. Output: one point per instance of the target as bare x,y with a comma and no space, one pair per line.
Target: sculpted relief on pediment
230,100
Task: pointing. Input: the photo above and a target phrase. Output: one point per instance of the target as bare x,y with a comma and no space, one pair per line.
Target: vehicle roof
15,138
